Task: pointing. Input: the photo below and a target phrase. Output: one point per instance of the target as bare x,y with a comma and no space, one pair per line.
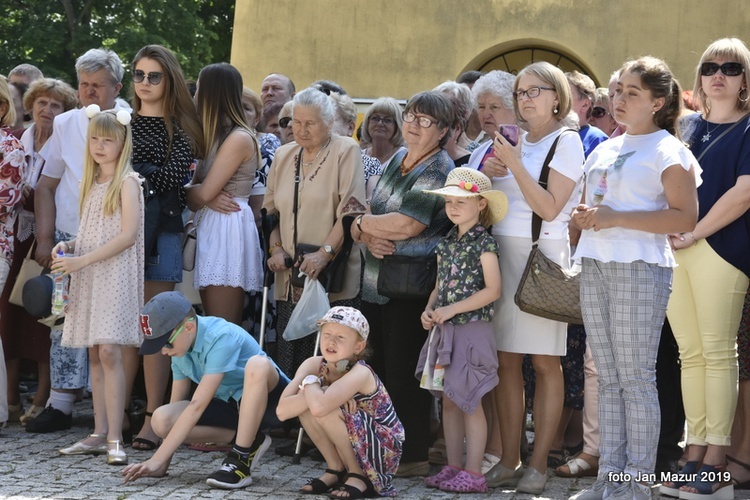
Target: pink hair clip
469,186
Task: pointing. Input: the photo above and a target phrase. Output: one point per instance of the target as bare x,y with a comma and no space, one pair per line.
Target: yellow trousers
704,310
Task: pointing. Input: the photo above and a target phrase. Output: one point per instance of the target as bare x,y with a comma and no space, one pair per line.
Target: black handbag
402,277
332,277
546,289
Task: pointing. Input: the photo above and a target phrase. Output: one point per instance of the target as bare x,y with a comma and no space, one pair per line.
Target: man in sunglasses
100,73
238,390
583,90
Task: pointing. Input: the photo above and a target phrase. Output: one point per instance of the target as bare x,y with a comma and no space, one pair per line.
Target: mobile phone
510,132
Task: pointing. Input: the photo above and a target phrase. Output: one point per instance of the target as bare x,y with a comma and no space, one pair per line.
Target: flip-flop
577,467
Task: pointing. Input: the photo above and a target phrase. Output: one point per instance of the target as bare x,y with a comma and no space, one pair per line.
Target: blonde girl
106,268
458,360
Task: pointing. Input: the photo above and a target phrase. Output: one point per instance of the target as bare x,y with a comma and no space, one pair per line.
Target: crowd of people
418,225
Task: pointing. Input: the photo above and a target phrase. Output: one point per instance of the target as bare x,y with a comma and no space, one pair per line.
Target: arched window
515,60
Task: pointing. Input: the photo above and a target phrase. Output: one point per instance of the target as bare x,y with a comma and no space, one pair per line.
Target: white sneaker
488,462
599,490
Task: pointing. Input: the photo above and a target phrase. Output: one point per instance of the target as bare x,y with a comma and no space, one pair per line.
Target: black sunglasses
284,122
729,68
598,112
154,77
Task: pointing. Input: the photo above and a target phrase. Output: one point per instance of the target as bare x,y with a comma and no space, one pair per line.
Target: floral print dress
12,168
376,434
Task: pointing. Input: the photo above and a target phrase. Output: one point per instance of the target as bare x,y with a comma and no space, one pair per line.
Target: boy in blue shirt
238,388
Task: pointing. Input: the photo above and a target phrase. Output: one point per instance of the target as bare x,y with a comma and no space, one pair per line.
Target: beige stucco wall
399,47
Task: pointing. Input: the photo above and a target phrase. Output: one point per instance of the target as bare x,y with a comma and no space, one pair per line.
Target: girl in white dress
106,286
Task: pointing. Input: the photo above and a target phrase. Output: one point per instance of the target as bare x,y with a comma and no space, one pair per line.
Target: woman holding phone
542,101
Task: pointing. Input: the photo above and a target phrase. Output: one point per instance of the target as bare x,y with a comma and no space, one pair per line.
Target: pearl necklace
305,164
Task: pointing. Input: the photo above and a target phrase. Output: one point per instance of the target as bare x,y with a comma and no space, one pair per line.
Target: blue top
220,347
591,137
722,165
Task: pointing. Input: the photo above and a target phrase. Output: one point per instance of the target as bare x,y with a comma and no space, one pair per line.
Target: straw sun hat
467,182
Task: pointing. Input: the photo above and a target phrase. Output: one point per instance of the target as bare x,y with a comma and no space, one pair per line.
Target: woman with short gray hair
331,186
493,93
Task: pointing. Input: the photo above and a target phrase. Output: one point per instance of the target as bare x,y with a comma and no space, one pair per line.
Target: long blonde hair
105,124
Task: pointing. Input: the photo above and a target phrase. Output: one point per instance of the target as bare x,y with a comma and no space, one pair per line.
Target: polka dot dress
106,297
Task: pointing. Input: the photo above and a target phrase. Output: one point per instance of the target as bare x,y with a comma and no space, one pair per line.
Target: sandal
319,486
713,488
745,485
465,482
446,473
672,488
577,467
556,458
145,444
353,491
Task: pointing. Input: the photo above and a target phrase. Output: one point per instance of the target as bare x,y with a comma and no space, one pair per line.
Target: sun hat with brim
467,182
159,317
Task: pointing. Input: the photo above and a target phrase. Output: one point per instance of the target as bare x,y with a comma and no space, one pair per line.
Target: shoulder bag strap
297,173
703,153
536,221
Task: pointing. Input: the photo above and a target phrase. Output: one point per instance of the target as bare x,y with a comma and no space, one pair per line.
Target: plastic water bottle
58,295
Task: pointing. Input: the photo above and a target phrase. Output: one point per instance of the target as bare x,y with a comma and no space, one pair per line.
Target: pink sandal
465,482
446,473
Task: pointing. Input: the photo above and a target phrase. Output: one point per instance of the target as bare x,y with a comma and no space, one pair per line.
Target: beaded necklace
405,170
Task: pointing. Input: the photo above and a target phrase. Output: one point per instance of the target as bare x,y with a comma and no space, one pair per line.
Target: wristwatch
328,249
310,379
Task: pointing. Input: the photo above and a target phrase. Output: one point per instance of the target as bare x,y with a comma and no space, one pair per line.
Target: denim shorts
166,265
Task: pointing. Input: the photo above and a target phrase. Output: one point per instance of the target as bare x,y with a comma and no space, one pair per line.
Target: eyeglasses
729,68
422,121
385,120
169,344
153,77
532,92
599,112
284,122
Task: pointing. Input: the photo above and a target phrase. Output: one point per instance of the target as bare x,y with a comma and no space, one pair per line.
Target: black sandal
353,491
146,444
319,487
745,485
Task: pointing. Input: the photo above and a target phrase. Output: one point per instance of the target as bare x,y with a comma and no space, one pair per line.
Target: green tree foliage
52,33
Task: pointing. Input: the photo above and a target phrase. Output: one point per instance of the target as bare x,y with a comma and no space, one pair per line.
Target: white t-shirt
568,161
625,173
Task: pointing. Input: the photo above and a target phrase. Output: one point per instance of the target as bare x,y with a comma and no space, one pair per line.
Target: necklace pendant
706,137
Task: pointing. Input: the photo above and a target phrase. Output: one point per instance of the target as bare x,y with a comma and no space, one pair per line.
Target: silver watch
328,249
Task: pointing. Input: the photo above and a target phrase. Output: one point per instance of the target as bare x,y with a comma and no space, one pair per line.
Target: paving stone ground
31,468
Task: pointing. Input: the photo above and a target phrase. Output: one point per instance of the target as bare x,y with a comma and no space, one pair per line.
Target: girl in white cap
458,360
346,411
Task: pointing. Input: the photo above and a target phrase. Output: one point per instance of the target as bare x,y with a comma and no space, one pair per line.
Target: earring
739,94
556,110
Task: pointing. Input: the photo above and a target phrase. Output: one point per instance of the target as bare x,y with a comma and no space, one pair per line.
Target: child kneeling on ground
238,389
346,411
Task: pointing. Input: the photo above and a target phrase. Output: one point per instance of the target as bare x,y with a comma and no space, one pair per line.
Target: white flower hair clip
92,110
122,116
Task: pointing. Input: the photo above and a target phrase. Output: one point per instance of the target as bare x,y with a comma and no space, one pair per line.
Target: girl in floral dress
367,441
458,360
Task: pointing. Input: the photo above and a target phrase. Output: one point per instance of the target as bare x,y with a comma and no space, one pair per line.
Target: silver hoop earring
739,95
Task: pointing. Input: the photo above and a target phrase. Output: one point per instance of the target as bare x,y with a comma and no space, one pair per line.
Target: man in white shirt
100,73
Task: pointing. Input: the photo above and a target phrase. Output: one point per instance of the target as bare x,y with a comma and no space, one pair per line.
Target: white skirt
228,250
515,330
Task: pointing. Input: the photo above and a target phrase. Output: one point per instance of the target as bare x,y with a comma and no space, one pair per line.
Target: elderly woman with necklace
331,185
406,222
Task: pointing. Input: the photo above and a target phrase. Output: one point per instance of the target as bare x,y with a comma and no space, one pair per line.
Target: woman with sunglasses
714,264
542,101
601,115
166,139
